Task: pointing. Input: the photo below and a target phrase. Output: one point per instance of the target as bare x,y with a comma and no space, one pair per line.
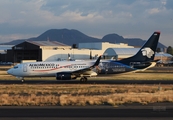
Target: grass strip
82,95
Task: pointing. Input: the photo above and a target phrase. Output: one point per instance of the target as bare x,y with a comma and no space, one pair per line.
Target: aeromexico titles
68,70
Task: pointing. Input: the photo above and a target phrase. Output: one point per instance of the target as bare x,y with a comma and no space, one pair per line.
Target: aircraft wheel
83,79
22,80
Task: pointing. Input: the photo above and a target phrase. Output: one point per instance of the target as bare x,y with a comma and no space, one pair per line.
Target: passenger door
25,67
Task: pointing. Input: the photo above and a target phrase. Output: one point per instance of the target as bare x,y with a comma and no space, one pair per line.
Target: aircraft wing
87,71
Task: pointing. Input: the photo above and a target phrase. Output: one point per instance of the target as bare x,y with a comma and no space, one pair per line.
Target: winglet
97,62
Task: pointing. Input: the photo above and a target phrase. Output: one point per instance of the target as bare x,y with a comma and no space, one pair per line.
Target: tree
169,50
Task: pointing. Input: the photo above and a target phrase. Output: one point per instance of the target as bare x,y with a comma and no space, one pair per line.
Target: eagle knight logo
147,52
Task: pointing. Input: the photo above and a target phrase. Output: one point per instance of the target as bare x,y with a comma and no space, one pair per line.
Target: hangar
32,50
120,53
3,53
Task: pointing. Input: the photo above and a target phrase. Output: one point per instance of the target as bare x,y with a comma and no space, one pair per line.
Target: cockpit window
15,67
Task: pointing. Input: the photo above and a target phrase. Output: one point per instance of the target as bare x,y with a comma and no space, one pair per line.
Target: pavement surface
89,82
151,111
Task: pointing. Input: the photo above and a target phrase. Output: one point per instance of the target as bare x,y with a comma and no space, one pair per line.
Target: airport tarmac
88,82
83,112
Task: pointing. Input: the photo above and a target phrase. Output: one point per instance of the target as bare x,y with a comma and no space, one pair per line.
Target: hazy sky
22,19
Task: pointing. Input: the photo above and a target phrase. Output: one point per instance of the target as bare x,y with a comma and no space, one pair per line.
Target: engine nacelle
63,76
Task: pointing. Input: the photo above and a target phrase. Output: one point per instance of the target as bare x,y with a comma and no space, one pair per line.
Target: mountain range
70,37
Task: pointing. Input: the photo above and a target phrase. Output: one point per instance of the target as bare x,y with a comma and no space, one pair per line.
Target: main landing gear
83,79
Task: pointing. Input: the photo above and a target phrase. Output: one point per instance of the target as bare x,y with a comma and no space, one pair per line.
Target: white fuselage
48,69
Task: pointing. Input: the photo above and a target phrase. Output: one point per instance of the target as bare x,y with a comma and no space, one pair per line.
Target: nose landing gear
21,78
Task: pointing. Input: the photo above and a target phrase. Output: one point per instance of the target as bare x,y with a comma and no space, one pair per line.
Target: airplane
69,70
62,70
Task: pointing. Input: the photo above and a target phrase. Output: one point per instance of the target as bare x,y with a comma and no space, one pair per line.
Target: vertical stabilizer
147,51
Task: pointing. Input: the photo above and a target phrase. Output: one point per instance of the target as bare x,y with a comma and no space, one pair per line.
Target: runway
88,82
164,110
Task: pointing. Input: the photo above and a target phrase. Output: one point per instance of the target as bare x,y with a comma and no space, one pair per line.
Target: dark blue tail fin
147,51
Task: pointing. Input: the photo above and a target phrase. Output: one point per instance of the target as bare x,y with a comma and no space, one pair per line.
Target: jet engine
64,76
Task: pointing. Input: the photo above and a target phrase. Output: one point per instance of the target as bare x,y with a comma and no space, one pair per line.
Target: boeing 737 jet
68,70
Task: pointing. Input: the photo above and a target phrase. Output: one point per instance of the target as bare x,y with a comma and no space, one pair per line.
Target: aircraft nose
10,71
